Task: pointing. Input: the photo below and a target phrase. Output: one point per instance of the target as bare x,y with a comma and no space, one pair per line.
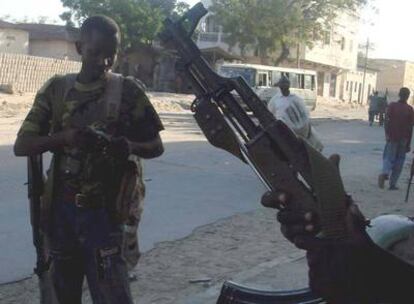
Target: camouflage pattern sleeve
139,119
37,121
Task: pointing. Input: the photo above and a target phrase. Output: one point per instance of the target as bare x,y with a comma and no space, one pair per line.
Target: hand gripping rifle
282,161
35,185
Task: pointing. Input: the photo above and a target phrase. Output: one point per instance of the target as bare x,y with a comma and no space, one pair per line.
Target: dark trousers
371,116
85,243
393,160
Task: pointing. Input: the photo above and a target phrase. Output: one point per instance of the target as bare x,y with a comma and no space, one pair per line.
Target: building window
347,85
343,43
356,87
211,25
262,79
308,82
327,37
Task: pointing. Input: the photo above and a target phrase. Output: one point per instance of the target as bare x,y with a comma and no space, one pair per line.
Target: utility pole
365,70
298,55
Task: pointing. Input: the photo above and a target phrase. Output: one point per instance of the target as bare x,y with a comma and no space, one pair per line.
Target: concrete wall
28,73
14,41
409,76
352,86
58,49
391,78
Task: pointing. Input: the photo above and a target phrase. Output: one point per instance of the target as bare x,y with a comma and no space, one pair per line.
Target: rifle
410,182
35,185
282,161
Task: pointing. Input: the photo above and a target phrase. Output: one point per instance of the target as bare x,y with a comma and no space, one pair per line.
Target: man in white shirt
291,109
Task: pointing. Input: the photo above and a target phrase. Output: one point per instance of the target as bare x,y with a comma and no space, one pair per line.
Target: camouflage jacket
81,106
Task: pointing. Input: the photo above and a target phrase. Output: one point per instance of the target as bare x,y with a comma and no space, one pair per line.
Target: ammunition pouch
127,199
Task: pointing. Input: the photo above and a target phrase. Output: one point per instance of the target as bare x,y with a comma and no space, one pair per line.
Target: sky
387,29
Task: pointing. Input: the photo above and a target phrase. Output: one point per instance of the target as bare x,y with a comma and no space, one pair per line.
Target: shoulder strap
66,83
113,96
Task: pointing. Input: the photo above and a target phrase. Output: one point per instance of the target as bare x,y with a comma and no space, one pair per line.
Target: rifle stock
281,160
35,185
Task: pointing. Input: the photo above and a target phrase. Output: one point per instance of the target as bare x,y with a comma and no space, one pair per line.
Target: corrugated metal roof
4,24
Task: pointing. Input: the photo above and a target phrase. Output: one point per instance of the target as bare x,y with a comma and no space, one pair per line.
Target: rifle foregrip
325,196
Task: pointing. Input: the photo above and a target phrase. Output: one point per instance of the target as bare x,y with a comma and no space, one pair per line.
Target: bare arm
27,145
148,149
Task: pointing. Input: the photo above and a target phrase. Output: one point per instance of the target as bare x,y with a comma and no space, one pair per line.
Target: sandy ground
222,250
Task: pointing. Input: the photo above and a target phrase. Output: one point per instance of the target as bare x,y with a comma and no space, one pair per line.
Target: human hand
69,137
119,148
334,265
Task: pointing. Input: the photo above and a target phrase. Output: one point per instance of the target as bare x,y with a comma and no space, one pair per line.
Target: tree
139,20
277,25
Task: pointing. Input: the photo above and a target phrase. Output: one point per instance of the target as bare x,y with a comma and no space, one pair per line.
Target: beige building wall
339,46
58,49
14,41
391,78
409,76
352,82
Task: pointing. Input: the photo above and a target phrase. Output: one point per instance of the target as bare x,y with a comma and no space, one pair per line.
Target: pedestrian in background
399,121
382,109
291,109
374,107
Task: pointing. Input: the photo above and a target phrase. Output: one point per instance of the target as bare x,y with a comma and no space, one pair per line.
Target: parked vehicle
263,80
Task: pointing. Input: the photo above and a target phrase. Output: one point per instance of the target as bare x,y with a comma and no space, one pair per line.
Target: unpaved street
195,185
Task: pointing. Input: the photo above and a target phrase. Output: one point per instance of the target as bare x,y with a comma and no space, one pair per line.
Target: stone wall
28,73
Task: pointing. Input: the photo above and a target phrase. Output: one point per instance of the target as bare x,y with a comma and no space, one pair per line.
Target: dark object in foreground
410,181
282,161
232,293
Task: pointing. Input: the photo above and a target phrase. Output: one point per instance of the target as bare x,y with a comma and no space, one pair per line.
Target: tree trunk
284,54
264,58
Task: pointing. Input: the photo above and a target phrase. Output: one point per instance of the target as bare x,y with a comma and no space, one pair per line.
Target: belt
83,200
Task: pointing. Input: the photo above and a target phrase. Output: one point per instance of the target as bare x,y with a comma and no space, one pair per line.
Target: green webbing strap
330,194
63,85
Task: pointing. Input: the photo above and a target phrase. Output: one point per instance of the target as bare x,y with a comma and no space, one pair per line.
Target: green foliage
139,20
271,25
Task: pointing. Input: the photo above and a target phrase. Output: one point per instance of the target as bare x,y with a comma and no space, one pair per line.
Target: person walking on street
399,123
382,109
291,109
374,105
98,125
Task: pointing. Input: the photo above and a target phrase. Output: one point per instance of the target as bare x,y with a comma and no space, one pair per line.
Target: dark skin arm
353,270
34,144
149,149
28,145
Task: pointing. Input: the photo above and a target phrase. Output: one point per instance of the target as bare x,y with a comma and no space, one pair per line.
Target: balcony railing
213,37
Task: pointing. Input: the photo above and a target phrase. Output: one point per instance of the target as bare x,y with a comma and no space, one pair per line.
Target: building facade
52,41
393,75
12,39
334,57
41,40
354,88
